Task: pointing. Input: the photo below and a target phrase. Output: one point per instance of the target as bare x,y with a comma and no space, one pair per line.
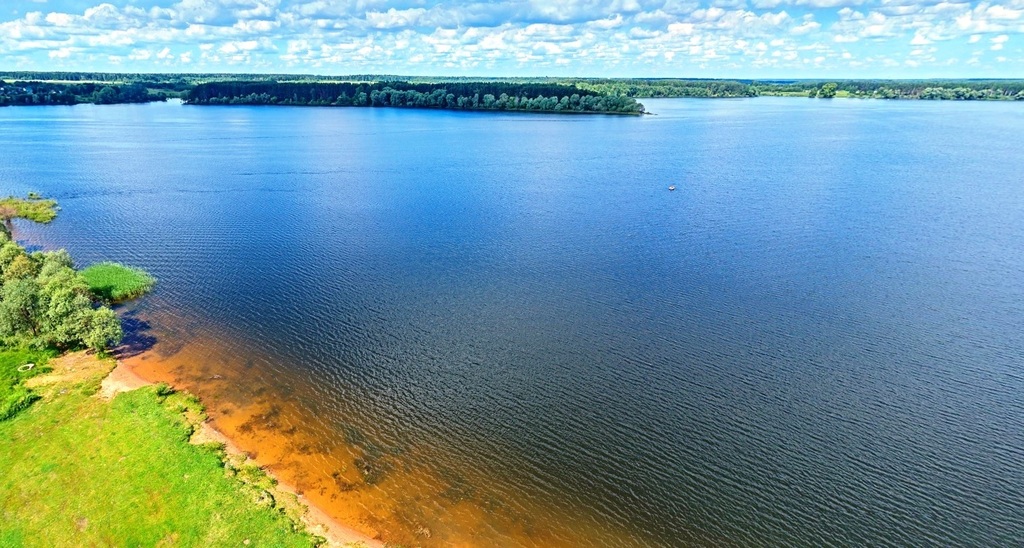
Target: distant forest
451,95
47,93
593,95
955,90
867,89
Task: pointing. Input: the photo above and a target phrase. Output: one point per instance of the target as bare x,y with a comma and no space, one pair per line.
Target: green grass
116,283
76,470
14,396
34,208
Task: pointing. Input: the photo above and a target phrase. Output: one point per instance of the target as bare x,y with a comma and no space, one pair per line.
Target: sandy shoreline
122,379
78,366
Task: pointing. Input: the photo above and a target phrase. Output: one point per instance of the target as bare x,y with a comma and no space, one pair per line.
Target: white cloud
806,27
140,55
395,18
532,36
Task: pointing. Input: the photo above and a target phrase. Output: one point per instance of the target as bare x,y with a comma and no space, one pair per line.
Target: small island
34,208
494,96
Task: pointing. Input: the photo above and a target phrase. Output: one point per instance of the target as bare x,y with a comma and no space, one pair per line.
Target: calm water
463,328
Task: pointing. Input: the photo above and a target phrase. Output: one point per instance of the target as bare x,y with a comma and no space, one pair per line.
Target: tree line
46,88
962,90
47,93
492,95
649,88
965,90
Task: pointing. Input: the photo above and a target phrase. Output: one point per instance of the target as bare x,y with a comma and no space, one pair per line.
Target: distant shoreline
548,94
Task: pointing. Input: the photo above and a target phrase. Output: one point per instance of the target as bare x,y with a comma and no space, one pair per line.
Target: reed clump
115,282
34,208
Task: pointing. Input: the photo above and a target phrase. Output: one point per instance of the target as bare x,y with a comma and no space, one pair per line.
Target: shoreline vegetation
115,282
89,452
34,208
545,94
45,304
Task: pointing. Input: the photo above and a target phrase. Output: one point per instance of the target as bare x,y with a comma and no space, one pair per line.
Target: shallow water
486,329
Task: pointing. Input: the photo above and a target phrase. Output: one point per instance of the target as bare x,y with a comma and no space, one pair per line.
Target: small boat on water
672,187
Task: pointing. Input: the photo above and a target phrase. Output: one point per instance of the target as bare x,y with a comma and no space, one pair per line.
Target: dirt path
72,368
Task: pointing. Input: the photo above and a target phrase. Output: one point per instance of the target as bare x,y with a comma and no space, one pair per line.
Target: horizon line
468,77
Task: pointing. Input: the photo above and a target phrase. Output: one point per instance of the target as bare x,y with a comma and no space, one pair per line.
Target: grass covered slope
77,470
14,396
116,282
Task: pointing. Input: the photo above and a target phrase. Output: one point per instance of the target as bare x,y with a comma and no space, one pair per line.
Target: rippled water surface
487,329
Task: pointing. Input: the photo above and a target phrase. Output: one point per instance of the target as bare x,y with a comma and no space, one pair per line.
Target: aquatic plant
373,468
116,282
33,208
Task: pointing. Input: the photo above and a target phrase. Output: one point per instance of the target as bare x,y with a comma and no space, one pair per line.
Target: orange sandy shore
124,378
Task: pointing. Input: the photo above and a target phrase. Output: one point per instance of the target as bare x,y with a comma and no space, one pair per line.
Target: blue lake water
502,329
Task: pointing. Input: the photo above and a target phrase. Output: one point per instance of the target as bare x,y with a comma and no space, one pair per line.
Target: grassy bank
78,470
16,367
116,282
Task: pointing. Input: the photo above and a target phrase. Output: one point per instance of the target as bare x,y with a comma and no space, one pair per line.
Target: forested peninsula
452,95
544,94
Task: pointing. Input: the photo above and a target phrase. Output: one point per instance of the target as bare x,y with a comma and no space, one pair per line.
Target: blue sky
657,38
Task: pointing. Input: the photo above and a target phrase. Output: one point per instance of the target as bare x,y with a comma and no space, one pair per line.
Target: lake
464,328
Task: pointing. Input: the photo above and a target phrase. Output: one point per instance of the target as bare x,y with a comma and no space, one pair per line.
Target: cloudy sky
705,38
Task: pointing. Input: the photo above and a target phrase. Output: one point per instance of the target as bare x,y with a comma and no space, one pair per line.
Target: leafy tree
21,267
46,303
828,90
56,259
19,307
102,329
9,251
106,96
65,305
